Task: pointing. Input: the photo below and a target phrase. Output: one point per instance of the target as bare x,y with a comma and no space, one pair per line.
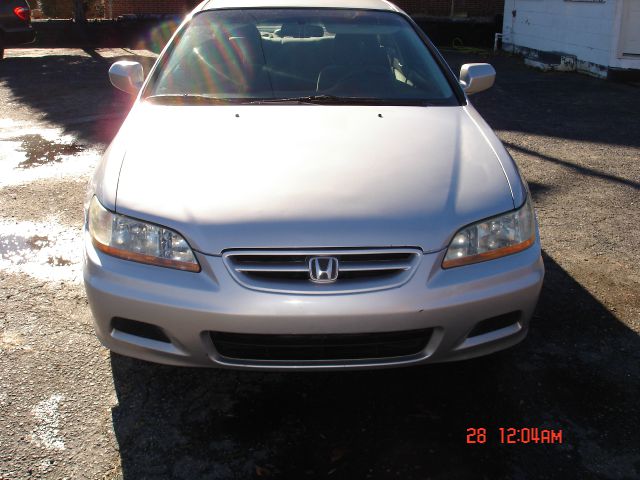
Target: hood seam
504,172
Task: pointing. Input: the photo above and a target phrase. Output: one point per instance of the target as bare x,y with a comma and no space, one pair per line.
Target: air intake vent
320,347
291,271
139,329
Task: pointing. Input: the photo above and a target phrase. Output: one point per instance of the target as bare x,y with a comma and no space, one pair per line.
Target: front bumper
188,306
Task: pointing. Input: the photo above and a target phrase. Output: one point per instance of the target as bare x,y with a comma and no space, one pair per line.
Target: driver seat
352,53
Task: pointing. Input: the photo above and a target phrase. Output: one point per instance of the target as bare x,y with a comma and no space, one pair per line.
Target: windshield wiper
198,99
337,100
188,99
301,99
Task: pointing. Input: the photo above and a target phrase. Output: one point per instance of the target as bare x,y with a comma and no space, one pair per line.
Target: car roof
349,4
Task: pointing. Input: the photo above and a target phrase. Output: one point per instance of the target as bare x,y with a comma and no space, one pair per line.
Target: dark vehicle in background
15,24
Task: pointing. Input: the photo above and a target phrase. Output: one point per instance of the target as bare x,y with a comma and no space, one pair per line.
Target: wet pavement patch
13,246
45,250
58,261
40,151
37,242
30,153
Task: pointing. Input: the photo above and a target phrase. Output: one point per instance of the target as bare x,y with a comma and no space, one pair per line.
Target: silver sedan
307,186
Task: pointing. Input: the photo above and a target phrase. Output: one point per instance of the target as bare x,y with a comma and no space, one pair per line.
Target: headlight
492,238
139,241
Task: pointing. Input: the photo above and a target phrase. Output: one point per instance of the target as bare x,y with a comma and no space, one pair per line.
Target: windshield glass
314,54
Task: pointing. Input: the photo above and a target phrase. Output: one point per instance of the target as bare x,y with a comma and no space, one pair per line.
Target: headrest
245,44
247,31
297,30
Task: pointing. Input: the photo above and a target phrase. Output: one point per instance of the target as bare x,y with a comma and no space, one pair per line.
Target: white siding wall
583,29
616,58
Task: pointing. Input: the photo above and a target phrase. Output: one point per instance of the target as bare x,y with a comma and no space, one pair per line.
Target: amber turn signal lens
496,237
132,239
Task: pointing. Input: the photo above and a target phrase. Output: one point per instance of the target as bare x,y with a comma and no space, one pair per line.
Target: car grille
320,347
288,271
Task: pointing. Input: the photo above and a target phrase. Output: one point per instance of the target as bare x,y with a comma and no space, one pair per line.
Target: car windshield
314,55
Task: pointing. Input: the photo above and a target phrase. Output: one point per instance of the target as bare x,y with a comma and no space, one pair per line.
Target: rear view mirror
476,77
127,76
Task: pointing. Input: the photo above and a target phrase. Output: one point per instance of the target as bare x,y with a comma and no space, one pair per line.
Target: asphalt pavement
70,409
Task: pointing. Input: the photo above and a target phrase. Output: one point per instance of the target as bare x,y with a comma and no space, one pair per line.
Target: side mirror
476,77
127,76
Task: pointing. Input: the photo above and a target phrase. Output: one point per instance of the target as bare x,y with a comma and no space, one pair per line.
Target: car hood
296,176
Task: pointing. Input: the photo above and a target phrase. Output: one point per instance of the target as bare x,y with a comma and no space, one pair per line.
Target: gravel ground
69,409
